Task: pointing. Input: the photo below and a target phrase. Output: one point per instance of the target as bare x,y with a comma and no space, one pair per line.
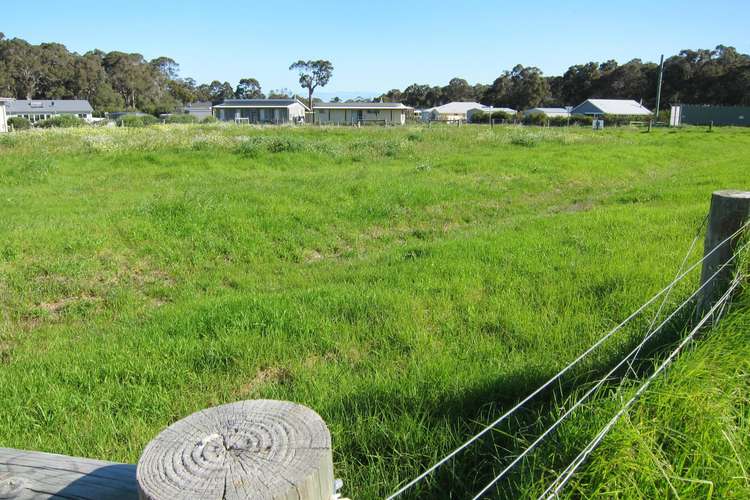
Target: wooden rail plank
26,475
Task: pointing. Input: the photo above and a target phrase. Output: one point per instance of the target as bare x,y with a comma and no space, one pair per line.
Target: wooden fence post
729,211
259,449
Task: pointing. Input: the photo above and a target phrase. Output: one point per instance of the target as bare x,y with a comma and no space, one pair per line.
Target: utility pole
492,125
658,90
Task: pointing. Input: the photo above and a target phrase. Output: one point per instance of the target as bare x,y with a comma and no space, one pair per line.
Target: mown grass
407,284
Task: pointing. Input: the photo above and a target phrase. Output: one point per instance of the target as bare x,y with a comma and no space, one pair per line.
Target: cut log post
730,210
258,449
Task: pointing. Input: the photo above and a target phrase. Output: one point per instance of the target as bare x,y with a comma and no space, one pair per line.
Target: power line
559,374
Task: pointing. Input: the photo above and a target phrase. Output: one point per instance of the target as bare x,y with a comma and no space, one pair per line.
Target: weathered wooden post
259,449
730,210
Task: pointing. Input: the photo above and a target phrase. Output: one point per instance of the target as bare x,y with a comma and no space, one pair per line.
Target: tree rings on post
250,449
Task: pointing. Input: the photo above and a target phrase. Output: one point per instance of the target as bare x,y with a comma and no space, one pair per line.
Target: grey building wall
253,115
199,113
586,108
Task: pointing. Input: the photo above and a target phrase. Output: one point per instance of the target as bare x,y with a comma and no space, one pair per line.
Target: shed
276,111
599,107
700,114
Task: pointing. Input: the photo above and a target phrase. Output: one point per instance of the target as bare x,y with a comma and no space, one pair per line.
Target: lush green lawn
407,284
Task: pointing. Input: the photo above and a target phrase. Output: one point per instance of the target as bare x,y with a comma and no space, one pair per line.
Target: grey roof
199,105
360,105
487,109
547,111
457,108
258,103
611,107
50,106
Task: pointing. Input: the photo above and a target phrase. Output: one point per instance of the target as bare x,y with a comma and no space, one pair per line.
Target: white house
41,109
451,112
276,111
548,112
487,109
386,113
3,115
599,107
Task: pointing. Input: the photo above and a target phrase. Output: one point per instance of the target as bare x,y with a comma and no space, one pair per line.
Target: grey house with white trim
352,113
36,110
275,111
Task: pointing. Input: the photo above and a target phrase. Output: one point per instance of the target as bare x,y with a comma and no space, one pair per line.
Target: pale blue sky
375,46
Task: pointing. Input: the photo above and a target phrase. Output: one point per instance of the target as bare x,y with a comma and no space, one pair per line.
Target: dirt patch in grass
309,256
265,377
5,351
314,360
56,306
578,206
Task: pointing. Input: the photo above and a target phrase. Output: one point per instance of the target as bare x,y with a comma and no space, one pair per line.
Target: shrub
558,121
61,121
479,117
581,120
497,117
501,116
535,119
618,120
19,123
137,120
209,119
181,118
250,148
525,139
283,144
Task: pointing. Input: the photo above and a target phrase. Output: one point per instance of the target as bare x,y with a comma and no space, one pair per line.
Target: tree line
110,81
719,76
115,81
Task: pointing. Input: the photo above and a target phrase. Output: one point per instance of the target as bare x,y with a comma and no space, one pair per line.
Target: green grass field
407,284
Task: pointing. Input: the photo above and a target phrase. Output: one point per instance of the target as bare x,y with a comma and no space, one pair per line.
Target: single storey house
486,110
3,115
548,112
352,113
451,112
199,110
600,107
36,110
276,111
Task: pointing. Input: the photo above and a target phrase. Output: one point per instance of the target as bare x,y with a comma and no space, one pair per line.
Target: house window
372,111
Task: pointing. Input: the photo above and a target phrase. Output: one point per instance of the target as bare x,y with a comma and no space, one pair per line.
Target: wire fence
554,489
628,359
